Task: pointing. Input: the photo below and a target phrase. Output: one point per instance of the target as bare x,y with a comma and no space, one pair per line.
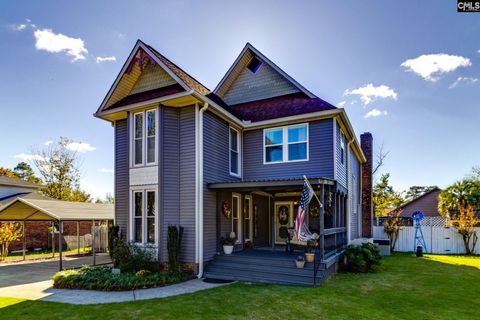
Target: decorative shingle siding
354,195
169,175
216,168
121,176
340,169
320,162
265,83
187,182
152,77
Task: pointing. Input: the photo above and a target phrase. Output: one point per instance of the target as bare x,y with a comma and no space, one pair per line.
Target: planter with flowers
300,262
228,243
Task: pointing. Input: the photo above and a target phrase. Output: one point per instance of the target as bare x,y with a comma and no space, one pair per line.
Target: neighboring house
184,153
426,203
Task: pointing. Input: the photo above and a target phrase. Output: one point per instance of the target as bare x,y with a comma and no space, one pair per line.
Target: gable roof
140,51
426,203
16,182
245,56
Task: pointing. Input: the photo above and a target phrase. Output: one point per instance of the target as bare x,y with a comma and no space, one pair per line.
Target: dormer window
254,65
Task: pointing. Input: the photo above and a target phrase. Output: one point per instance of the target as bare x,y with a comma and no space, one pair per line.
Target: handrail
331,231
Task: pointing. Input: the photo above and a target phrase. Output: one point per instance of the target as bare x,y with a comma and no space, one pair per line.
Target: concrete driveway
32,279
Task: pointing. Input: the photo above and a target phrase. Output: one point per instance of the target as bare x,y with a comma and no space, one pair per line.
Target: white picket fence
438,238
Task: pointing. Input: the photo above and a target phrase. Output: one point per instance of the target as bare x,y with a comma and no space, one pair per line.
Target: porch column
321,240
24,244
93,241
60,245
78,237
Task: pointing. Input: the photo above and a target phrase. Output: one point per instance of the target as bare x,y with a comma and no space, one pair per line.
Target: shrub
102,278
174,245
129,257
113,237
363,258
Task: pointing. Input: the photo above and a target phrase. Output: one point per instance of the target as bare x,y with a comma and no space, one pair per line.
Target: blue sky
382,58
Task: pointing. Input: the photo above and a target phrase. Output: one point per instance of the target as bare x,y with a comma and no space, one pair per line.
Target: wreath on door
227,209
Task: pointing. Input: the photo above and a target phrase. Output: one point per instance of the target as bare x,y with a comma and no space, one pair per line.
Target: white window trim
239,217
239,145
250,219
144,137
144,191
285,144
342,149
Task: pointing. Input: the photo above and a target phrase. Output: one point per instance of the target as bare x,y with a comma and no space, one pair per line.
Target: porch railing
331,242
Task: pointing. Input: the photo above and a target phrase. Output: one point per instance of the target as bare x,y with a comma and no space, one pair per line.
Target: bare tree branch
380,156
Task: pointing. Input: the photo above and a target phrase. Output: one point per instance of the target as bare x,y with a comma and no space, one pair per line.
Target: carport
22,210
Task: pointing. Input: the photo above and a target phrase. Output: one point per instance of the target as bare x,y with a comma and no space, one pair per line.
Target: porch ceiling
272,184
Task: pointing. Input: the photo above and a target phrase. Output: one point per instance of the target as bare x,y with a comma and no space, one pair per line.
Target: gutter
199,188
349,205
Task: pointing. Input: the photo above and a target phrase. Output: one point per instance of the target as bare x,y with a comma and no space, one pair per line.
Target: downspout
349,202
200,190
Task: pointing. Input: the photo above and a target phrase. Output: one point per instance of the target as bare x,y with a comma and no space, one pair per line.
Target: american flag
307,195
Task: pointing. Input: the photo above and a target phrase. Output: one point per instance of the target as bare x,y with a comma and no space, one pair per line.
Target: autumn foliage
9,231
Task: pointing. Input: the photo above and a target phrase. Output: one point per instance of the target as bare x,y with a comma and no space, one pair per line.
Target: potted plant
311,245
300,262
228,243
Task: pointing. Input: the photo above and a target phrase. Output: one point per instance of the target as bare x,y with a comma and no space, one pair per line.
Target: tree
380,157
60,169
25,172
392,226
475,173
109,199
7,172
9,231
416,191
385,198
459,195
465,221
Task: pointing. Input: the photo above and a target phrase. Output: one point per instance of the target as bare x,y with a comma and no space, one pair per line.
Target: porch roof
270,184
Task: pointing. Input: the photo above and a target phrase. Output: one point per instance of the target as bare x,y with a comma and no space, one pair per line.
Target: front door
283,220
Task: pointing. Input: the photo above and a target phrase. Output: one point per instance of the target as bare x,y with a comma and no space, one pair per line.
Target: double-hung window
234,147
342,149
286,144
144,137
144,214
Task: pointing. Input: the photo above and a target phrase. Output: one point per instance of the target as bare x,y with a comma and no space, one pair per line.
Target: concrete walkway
32,281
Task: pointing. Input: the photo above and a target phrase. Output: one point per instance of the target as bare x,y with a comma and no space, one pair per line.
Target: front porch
261,213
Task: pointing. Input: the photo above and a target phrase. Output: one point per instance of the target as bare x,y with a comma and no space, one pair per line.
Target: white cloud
460,80
106,170
430,66
49,142
341,103
80,147
369,92
29,157
375,113
103,59
49,41
19,27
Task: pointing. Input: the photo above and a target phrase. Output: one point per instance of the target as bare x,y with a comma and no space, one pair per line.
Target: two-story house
231,159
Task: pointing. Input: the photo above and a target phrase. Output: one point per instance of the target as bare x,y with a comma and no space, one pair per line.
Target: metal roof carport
21,209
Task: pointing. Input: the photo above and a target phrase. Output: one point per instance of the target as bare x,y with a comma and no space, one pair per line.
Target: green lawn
45,254
433,287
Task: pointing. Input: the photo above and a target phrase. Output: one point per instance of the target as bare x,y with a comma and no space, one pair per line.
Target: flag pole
314,194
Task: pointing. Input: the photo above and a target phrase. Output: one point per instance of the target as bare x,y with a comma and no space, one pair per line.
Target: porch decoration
227,209
300,262
418,240
228,243
311,245
302,233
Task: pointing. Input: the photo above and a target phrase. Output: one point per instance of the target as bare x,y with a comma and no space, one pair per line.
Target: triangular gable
144,71
240,85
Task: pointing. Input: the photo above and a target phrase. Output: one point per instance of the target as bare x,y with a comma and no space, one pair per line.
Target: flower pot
300,264
310,257
228,249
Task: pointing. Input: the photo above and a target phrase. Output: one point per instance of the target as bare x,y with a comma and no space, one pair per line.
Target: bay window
286,144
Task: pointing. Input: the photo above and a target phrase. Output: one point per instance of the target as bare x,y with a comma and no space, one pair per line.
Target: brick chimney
366,143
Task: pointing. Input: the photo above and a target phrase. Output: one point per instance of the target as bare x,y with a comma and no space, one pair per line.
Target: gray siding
340,169
216,168
187,182
168,175
354,195
121,176
320,162
265,83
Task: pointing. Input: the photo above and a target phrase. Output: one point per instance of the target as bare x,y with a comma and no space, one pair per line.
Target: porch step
264,267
